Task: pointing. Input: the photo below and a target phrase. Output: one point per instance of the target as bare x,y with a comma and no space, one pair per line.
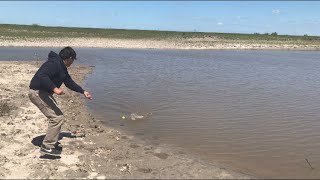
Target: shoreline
103,153
174,44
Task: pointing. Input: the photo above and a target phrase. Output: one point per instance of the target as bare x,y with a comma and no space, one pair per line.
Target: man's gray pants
48,106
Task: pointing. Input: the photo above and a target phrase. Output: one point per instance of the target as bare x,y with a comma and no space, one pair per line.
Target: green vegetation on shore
37,31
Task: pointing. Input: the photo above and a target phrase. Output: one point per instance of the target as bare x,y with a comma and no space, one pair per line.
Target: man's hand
87,94
58,91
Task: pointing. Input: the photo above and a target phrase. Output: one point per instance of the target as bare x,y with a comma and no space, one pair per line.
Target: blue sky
283,17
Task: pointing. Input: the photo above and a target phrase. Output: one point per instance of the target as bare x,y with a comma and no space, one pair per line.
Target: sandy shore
188,43
103,152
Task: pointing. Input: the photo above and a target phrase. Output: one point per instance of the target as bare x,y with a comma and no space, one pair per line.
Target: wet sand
178,43
102,153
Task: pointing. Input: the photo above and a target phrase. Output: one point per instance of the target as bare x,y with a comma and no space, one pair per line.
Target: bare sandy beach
187,43
91,150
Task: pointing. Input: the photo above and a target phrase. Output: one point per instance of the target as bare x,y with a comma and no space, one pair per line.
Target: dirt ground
91,150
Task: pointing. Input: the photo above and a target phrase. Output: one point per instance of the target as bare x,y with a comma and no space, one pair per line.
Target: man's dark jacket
52,74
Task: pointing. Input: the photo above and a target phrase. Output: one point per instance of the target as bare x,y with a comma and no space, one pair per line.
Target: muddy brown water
255,111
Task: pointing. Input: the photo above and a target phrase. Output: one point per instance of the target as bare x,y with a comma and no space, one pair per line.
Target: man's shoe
50,151
58,146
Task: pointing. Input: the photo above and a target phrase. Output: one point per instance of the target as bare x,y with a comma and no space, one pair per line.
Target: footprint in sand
134,146
145,170
161,155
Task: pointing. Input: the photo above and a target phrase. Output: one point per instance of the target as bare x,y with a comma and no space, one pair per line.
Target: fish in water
135,116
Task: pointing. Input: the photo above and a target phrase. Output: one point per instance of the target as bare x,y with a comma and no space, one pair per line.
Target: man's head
68,55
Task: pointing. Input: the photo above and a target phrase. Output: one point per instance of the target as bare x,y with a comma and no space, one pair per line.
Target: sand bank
188,43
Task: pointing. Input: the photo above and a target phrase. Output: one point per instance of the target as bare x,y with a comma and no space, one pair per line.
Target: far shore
13,35
206,43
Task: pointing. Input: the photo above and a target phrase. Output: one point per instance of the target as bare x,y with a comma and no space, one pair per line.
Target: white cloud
275,11
219,23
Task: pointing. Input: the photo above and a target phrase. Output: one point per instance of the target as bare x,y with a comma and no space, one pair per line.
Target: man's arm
72,85
75,87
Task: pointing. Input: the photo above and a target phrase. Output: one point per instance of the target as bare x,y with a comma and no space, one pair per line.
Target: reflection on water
257,111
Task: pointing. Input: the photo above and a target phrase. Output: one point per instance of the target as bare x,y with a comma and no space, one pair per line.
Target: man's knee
56,120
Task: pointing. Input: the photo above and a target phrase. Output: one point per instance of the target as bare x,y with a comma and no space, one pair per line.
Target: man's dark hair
67,53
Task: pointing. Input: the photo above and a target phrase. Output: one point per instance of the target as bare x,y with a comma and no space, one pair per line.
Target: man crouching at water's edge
44,83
